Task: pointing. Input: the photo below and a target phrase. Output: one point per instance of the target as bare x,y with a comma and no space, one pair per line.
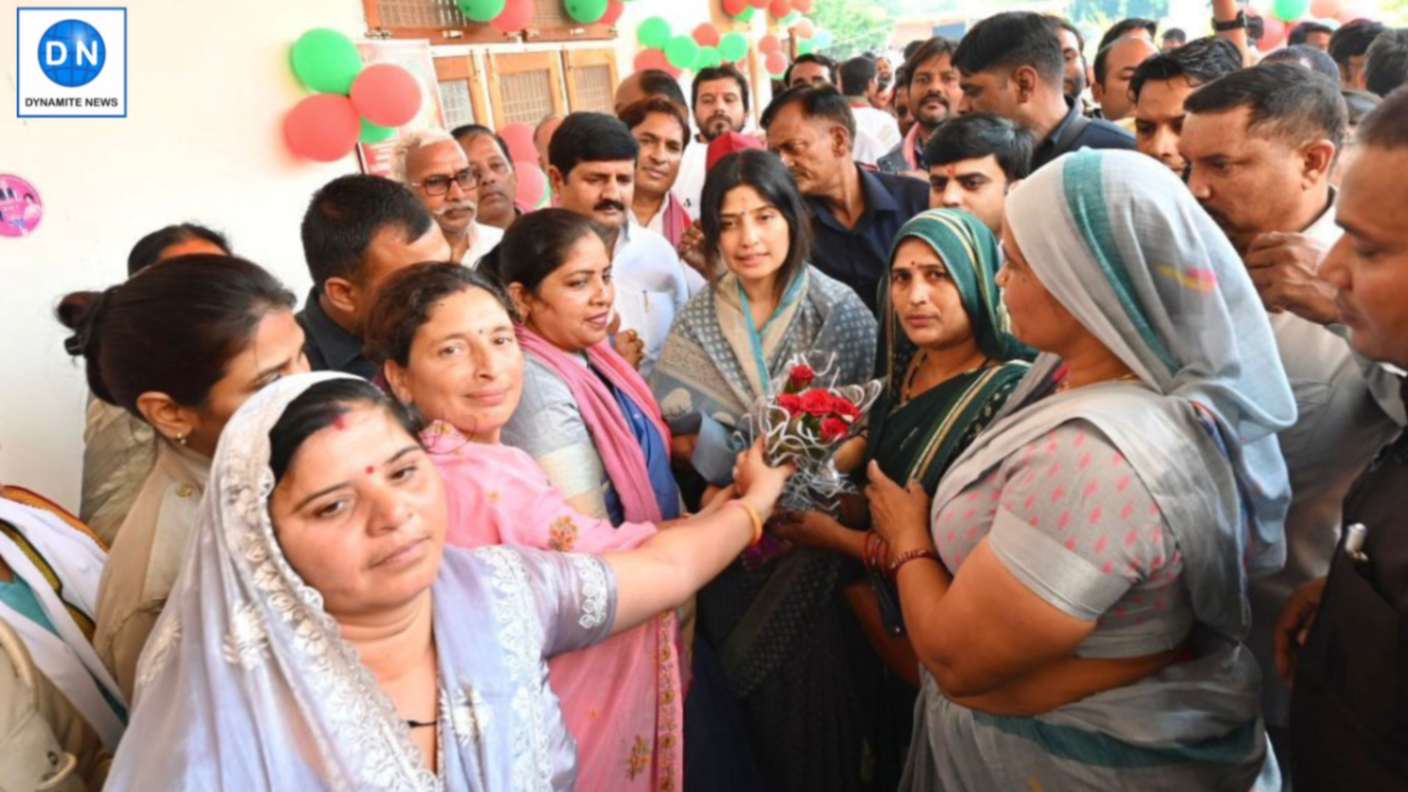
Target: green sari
916,440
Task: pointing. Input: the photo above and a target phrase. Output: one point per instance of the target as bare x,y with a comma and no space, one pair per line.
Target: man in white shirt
1260,144
592,167
858,81
720,102
433,165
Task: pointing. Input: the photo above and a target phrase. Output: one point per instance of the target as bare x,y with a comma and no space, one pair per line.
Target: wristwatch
1238,22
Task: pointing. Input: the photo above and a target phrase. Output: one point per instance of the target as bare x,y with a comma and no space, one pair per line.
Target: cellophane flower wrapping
804,419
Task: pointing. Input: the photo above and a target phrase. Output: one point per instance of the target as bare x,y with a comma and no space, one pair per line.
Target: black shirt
328,346
1075,132
859,256
1349,706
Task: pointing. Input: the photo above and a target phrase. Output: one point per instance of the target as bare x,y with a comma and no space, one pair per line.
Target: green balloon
681,52
708,58
733,46
586,11
747,15
805,46
790,19
481,10
653,32
375,133
1290,10
325,61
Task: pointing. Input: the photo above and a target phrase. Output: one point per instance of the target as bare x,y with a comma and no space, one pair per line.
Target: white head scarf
245,683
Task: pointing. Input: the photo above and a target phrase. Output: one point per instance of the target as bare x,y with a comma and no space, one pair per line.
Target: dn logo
71,53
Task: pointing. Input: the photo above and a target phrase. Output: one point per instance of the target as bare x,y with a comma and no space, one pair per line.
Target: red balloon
518,136
1274,32
516,16
779,8
532,184
758,3
651,59
804,29
769,44
776,62
706,35
802,6
614,10
386,94
322,127
1326,9
734,7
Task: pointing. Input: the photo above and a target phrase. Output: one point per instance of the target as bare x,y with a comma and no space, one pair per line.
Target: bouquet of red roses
804,420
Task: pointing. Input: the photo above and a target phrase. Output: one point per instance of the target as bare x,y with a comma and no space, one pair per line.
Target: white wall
208,84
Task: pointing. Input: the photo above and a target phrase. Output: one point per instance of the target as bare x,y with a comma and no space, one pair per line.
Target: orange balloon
804,29
769,44
776,62
1326,9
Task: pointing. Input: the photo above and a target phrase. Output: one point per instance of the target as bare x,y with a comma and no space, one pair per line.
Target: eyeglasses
439,184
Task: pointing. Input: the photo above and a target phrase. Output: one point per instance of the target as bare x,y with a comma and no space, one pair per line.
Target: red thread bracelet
910,555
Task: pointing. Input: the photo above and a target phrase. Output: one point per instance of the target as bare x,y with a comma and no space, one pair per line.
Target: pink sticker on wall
20,206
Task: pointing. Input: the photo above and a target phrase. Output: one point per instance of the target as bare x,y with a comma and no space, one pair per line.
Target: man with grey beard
434,166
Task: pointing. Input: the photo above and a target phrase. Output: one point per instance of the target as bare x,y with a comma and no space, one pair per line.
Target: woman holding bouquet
789,646
950,362
1076,591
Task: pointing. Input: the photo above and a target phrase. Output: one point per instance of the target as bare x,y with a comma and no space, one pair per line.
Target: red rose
816,402
800,377
845,408
833,429
791,403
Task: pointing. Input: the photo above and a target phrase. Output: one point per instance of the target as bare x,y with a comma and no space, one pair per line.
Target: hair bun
79,312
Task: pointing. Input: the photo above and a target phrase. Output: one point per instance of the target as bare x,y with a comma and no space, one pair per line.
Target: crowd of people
485,512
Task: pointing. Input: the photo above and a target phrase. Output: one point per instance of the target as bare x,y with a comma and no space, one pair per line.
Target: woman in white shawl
1077,592
320,637
49,569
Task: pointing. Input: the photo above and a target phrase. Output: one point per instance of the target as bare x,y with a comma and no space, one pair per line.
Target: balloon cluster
351,102
701,48
1282,15
514,16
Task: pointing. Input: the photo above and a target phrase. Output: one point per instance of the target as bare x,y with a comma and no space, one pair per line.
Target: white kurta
652,284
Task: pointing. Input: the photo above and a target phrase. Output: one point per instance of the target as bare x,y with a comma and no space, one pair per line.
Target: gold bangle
753,517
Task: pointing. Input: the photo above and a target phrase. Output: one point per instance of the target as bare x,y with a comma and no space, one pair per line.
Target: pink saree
622,698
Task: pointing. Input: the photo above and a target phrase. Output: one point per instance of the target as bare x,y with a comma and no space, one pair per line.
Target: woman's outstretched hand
758,482
899,514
